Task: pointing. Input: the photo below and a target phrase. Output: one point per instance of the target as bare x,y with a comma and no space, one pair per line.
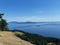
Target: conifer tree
3,23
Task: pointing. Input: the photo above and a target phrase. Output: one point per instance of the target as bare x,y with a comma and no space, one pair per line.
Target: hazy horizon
32,21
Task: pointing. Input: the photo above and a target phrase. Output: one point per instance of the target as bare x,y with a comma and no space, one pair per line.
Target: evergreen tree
3,23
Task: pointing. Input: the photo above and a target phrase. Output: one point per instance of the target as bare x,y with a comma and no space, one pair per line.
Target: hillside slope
36,39
9,38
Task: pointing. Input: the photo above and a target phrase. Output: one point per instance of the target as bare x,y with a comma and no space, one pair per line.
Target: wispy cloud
34,19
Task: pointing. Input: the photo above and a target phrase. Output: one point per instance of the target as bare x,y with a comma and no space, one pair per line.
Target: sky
30,10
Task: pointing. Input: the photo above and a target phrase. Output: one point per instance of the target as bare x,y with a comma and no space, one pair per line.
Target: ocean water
46,29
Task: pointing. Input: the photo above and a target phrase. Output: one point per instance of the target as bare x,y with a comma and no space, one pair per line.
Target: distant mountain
14,22
22,22
47,23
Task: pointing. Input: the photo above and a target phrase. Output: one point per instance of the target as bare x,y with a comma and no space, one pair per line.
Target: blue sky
30,10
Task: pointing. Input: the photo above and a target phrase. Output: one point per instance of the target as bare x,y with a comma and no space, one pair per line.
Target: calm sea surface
45,29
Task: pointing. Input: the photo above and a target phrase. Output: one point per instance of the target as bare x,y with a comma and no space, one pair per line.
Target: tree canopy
3,23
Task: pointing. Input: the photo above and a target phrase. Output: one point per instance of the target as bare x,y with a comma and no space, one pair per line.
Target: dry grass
8,38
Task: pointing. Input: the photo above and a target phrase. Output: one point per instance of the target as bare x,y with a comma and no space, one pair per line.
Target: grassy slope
34,38
9,38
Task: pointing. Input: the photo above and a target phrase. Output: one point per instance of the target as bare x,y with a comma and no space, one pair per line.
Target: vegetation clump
38,39
3,23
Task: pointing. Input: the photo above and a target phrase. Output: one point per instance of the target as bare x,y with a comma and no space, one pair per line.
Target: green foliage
38,39
3,24
51,43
